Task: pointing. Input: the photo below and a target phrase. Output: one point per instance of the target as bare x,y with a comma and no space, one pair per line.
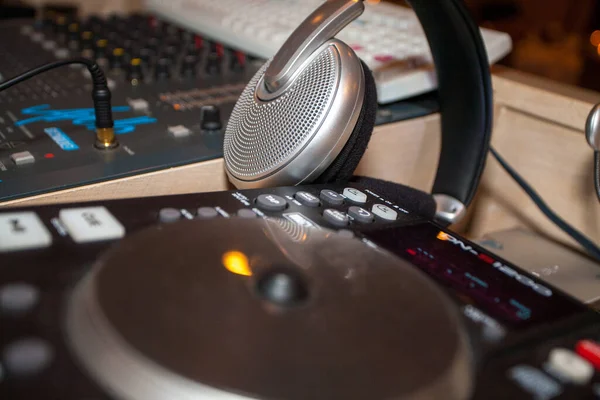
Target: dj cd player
315,292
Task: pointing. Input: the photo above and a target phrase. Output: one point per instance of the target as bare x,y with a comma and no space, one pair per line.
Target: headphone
308,114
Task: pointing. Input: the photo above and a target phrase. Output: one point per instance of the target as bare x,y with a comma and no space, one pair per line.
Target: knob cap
162,70
118,58
189,65
135,74
211,118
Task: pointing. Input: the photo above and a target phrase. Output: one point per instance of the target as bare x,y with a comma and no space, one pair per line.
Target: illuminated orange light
317,19
442,236
373,1
237,263
177,107
595,38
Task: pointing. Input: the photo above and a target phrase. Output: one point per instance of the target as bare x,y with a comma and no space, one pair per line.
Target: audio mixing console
173,91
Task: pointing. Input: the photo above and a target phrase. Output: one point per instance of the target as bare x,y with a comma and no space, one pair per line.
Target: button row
25,230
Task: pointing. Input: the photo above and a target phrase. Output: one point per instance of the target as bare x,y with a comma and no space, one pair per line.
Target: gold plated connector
106,139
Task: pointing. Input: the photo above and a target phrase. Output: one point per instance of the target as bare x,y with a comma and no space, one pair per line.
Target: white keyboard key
22,231
260,27
91,224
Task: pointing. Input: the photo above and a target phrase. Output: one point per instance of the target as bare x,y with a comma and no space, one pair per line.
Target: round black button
271,202
169,215
18,298
332,197
207,213
27,357
336,217
361,215
307,199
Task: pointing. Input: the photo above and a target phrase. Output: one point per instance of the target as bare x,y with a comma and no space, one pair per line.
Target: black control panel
173,92
528,340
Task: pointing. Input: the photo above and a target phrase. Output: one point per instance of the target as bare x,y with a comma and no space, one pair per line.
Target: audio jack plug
101,96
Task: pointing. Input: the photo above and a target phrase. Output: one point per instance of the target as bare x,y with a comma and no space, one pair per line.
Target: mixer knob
73,36
153,43
146,55
61,25
210,118
135,75
171,52
118,58
162,70
87,40
188,66
213,64
101,48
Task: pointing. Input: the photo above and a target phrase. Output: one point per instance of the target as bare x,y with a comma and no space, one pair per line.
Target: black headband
465,95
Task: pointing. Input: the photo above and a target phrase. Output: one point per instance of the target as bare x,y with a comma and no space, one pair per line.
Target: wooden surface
539,130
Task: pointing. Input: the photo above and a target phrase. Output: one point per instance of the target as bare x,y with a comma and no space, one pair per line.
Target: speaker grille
262,136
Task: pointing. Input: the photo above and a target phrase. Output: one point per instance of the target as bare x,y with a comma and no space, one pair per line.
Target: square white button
22,231
91,224
179,131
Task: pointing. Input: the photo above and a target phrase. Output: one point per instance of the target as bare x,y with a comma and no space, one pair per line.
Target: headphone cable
101,96
590,247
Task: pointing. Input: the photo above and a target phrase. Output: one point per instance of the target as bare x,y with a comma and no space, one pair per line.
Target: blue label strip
61,139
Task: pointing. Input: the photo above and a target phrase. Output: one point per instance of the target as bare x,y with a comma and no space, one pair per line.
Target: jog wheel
239,308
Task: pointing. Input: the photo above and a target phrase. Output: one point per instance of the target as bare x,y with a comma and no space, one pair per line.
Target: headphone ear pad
342,168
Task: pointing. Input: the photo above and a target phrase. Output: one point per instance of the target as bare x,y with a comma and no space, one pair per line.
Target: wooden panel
539,131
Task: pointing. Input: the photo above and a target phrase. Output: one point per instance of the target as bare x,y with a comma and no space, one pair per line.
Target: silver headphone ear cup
295,136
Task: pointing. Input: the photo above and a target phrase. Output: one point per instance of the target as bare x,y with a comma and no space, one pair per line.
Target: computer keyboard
388,37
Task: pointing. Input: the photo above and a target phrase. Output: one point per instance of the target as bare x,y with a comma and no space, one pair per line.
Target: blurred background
557,39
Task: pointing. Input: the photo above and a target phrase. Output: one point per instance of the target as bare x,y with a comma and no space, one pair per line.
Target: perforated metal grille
261,137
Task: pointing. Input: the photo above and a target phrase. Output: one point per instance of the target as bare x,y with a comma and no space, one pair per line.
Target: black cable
100,91
597,173
586,243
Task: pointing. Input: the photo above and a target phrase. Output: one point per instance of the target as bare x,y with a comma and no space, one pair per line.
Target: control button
570,366
49,45
355,195
22,158
246,213
589,350
179,131
61,54
361,215
91,224
138,104
18,298
27,357
331,197
169,215
210,118
336,217
21,231
307,199
207,213
384,212
271,202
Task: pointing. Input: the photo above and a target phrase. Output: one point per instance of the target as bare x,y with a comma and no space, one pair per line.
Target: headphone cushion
342,168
